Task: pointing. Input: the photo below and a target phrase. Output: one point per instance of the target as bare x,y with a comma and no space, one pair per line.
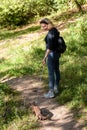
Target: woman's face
44,26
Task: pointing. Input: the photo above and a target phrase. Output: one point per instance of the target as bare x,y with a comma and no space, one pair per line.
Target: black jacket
51,39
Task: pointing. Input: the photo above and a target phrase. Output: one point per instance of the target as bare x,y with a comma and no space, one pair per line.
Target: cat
36,109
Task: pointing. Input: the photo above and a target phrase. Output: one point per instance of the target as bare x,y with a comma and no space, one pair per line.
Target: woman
51,56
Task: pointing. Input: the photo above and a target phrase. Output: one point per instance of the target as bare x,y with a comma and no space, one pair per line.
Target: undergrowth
26,59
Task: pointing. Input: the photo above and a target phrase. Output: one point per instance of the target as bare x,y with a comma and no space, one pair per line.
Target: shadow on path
31,89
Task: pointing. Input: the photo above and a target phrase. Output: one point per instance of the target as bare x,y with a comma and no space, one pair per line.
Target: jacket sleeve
49,41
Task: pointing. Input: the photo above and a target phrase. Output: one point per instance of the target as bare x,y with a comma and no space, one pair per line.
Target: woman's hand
44,61
46,55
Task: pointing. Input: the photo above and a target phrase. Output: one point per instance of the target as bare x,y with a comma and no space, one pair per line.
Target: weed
26,60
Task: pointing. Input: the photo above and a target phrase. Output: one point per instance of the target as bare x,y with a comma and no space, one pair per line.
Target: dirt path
62,117
17,41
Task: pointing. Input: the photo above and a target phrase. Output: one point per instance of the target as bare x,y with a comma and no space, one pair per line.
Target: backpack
61,45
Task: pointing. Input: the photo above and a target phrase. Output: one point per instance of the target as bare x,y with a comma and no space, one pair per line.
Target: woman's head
46,24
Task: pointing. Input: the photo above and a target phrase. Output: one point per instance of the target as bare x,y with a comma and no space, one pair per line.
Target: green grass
13,114
18,61
73,90
21,60
8,34
26,59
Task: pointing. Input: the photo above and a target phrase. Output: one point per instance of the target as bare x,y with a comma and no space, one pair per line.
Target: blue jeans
53,69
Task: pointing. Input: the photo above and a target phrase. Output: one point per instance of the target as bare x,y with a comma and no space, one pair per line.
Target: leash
37,89
42,73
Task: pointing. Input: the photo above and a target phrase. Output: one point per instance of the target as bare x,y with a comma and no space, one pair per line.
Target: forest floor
32,89
61,117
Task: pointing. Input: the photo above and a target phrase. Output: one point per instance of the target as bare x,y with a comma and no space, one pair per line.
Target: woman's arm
46,54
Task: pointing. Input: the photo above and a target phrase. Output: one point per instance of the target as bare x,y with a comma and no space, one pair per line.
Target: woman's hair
46,21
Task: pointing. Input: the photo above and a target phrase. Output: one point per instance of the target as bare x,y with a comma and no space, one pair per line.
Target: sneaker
55,89
50,94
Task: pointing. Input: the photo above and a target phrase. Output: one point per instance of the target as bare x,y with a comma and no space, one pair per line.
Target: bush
16,13
45,7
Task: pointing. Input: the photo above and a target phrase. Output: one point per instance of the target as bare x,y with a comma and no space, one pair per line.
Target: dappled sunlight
23,79
9,34
32,89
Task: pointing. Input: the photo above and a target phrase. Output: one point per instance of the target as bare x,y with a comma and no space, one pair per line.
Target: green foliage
73,66
26,58
81,2
45,7
16,13
13,113
63,4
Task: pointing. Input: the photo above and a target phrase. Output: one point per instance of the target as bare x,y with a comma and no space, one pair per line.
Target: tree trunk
78,5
